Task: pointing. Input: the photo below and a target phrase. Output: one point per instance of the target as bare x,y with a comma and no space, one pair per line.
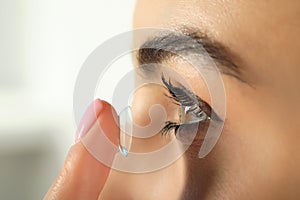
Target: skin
82,176
257,155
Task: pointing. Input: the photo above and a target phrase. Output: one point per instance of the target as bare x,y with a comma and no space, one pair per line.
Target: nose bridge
150,109
143,99
166,183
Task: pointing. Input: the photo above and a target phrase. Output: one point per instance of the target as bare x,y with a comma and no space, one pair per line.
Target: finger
82,176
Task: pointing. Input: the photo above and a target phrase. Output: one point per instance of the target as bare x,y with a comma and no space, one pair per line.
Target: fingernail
89,118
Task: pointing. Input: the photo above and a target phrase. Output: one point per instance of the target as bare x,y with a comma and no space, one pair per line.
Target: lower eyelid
193,134
169,127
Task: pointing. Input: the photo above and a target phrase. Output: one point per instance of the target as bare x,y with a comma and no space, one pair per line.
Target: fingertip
108,120
87,165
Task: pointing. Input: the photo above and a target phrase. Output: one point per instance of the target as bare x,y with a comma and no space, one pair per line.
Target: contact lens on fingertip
125,125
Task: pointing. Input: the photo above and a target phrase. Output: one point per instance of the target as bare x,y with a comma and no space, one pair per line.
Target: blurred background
43,45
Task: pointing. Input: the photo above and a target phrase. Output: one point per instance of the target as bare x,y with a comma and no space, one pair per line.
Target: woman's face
257,155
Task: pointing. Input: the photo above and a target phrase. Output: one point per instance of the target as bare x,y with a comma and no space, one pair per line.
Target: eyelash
185,98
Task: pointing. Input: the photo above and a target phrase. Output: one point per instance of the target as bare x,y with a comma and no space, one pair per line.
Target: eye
192,109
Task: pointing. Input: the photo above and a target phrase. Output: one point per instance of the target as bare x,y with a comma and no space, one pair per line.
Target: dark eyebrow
167,45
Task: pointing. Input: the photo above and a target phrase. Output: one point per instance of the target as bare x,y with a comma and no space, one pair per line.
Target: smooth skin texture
82,176
257,155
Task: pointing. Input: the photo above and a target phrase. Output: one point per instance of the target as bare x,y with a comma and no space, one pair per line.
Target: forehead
257,31
221,13
222,19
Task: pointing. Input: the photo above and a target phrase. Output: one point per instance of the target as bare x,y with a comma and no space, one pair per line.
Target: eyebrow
166,45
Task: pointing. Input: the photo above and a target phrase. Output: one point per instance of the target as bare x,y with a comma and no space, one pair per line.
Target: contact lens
125,125
191,114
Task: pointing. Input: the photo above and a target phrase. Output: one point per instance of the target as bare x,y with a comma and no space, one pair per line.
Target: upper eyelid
173,90
195,100
164,46
190,97
203,105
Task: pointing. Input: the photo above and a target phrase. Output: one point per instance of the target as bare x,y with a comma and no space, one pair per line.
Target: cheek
167,183
251,151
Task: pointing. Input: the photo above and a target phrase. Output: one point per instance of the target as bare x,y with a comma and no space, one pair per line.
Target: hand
82,176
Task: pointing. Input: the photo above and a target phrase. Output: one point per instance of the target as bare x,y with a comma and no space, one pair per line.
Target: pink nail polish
89,118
